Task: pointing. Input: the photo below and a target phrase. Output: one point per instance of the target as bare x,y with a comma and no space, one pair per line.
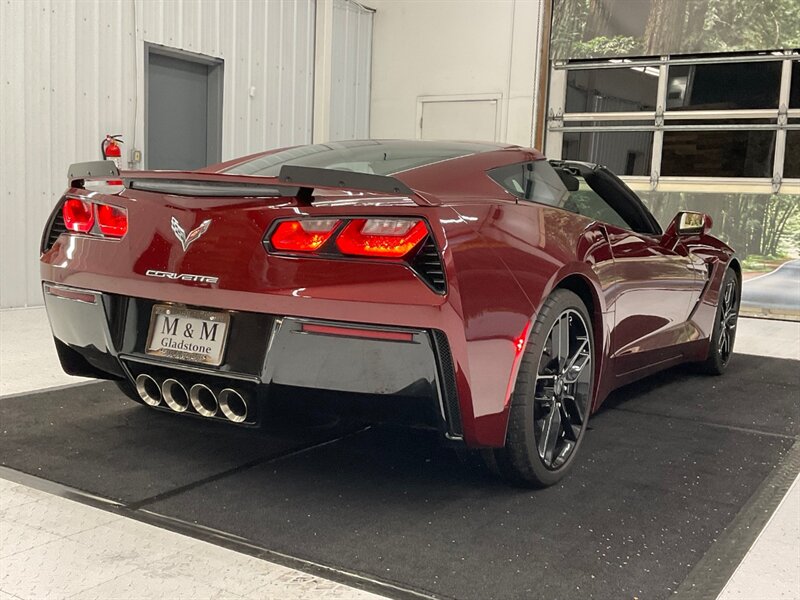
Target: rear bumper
386,367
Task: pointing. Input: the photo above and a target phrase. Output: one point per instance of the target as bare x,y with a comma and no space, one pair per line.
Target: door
655,287
184,110
655,294
462,119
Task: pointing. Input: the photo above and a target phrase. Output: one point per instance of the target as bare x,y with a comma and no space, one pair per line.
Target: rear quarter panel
507,258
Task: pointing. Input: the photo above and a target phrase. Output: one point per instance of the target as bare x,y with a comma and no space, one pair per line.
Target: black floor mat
664,469
91,437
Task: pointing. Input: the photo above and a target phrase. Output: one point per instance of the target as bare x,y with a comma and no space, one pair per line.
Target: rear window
373,157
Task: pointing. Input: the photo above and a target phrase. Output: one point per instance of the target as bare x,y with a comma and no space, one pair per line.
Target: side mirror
690,223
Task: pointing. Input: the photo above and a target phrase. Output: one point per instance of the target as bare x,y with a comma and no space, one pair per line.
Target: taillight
112,220
387,238
78,215
306,235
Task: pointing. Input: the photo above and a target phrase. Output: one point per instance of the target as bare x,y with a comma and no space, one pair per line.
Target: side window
585,201
536,181
539,182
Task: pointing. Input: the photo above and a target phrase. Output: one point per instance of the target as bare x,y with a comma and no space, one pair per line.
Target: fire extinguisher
110,149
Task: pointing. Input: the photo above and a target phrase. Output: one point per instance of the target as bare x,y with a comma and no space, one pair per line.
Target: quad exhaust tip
148,389
175,395
233,405
203,400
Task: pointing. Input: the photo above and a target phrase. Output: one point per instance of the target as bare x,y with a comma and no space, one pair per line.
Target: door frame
216,80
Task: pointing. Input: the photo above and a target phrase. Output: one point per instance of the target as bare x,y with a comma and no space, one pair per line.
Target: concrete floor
51,547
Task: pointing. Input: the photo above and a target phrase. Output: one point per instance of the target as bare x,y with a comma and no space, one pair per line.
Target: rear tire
720,347
552,397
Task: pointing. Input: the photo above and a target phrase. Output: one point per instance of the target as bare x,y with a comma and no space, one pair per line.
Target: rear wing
333,178
292,181
96,169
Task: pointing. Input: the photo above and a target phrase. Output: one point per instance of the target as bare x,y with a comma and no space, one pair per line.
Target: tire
548,397
723,336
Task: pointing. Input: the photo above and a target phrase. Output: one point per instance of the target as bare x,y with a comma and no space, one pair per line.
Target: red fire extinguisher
111,150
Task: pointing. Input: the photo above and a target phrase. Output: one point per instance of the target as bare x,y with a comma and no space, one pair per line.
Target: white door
472,120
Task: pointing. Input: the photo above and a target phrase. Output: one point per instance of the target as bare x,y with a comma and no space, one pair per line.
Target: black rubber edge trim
447,378
715,568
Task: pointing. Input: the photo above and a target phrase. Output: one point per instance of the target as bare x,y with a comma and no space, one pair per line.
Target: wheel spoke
729,296
561,331
571,430
563,454
576,364
573,409
550,434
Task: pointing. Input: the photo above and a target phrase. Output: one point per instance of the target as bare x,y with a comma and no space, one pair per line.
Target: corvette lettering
182,276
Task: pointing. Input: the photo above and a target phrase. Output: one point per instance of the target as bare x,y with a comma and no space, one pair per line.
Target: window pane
535,181
363,156
585,201
623,152
737,153
794,93
724,86
791,164
612,90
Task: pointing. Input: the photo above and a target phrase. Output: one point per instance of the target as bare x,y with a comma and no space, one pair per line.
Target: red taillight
388,238
78,215
306,235
112,220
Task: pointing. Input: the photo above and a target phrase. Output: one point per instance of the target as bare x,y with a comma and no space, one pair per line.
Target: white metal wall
73,71
350,71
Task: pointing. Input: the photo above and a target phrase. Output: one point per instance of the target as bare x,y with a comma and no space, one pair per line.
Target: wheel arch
737,268
582,287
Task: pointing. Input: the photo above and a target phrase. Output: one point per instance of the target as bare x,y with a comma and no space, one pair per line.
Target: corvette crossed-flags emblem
194,234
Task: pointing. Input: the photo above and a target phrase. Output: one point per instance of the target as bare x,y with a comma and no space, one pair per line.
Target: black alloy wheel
562,389
553,395
723,336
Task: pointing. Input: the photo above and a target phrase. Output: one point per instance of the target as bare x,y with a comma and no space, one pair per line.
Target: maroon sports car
476,288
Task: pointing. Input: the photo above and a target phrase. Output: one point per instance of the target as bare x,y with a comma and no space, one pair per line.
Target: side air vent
55,227
428,265
447,377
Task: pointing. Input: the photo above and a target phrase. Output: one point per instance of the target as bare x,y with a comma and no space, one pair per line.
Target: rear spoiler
333,178
293,181
96,169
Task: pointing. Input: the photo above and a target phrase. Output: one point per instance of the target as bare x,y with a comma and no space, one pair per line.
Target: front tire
720,346
552,397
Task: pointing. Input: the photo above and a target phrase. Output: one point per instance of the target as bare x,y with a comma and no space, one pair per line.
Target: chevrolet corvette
477,289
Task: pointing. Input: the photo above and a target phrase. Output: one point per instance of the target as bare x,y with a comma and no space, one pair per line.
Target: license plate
192,335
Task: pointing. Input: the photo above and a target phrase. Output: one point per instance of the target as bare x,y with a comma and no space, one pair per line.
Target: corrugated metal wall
67,74
350,71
